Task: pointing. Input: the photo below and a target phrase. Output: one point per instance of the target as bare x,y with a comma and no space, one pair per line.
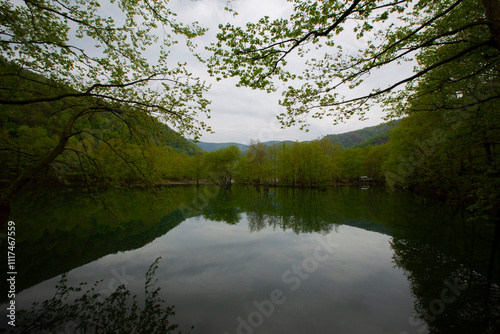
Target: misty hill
369,136
373,135
209,147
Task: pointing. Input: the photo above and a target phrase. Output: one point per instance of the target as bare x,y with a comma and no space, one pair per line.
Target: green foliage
170,138
194,167
438,34
448,142
449,145
52,38
221,165
309,164
376,140
352,163
106,148
91,82
257,163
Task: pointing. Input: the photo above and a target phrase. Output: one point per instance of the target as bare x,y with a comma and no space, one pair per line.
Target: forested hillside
106,146
373,135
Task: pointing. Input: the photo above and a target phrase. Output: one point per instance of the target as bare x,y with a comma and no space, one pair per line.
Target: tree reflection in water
449,296
82,309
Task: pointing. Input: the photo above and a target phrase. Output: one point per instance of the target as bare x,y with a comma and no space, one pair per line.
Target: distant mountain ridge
373,135
209,147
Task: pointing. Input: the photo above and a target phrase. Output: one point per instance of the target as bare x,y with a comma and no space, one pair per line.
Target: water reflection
222,207
217,274
450,297
94,309
60,230
397,255
298,210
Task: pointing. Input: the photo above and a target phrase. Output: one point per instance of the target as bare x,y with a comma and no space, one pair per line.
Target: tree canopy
430,35
120,58
442,67
81,58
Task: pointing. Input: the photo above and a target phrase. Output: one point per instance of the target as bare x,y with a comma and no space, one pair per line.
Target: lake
245,260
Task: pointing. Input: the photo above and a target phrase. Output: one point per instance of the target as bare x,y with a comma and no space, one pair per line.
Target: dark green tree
222,165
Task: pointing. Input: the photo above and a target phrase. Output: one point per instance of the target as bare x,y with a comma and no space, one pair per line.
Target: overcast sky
241,114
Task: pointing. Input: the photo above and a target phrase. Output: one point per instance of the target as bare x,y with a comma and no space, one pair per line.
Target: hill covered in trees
369,136
108,143
373,135
96,66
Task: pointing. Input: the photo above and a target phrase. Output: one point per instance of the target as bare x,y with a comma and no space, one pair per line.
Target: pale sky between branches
241,114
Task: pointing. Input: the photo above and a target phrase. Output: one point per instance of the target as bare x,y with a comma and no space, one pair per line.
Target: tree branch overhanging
89,93
298,42
417,75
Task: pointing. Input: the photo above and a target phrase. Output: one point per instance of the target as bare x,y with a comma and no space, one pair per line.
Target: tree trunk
493,255
492,13
25,176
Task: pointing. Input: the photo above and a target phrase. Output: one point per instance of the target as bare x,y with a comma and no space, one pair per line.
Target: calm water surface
342,260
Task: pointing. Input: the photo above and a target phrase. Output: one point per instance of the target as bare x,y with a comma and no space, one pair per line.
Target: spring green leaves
427,35
116,51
